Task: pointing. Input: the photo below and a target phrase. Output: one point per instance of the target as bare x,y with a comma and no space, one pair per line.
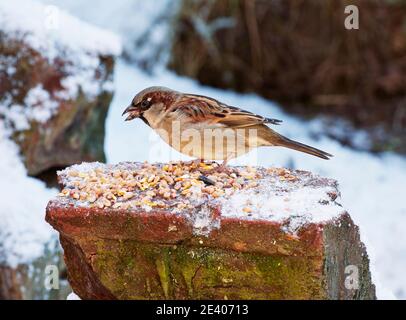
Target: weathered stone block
283,237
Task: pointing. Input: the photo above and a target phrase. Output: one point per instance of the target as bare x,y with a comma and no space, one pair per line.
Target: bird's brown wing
204,109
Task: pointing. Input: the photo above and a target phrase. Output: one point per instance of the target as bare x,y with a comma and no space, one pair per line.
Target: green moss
162,267
135,270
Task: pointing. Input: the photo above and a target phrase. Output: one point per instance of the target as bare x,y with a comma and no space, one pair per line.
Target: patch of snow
55,34
23,231
73,296
49,31
81,167
38,107
266,202
41,106
16,116
142,25
203,221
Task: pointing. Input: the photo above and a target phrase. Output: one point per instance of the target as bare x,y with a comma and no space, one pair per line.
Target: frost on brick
306,199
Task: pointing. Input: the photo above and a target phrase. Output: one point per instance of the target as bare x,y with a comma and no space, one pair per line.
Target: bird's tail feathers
291,144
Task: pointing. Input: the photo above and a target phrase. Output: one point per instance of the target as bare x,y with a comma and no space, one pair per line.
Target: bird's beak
132,111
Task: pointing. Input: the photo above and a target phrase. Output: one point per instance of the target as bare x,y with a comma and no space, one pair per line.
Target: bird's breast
205,140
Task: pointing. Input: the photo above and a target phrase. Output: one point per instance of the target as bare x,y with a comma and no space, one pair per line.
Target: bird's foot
215,167
208,167
196,164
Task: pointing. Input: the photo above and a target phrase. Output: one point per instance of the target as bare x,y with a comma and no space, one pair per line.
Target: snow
203,222
84,167
305,200
23,230
50,30
142,24
54,33
38,106
307,204
73,296
42,107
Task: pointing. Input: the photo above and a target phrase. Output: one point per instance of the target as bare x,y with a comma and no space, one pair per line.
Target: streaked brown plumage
161,108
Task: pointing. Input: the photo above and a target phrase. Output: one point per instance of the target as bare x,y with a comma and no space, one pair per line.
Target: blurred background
68,69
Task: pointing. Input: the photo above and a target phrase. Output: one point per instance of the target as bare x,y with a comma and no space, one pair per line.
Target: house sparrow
190,123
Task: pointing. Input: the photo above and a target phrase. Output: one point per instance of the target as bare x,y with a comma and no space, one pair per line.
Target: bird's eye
145,104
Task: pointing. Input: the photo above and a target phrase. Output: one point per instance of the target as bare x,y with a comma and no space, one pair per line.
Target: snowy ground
371,186
23,231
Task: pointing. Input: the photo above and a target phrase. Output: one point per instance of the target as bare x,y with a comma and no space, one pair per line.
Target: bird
207,129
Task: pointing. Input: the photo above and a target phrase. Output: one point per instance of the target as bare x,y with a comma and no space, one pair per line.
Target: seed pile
142,185
145,185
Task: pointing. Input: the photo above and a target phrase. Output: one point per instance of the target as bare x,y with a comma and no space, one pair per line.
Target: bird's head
146,99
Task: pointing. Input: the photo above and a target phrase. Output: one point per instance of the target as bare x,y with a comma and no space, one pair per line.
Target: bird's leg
223,167
195,163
